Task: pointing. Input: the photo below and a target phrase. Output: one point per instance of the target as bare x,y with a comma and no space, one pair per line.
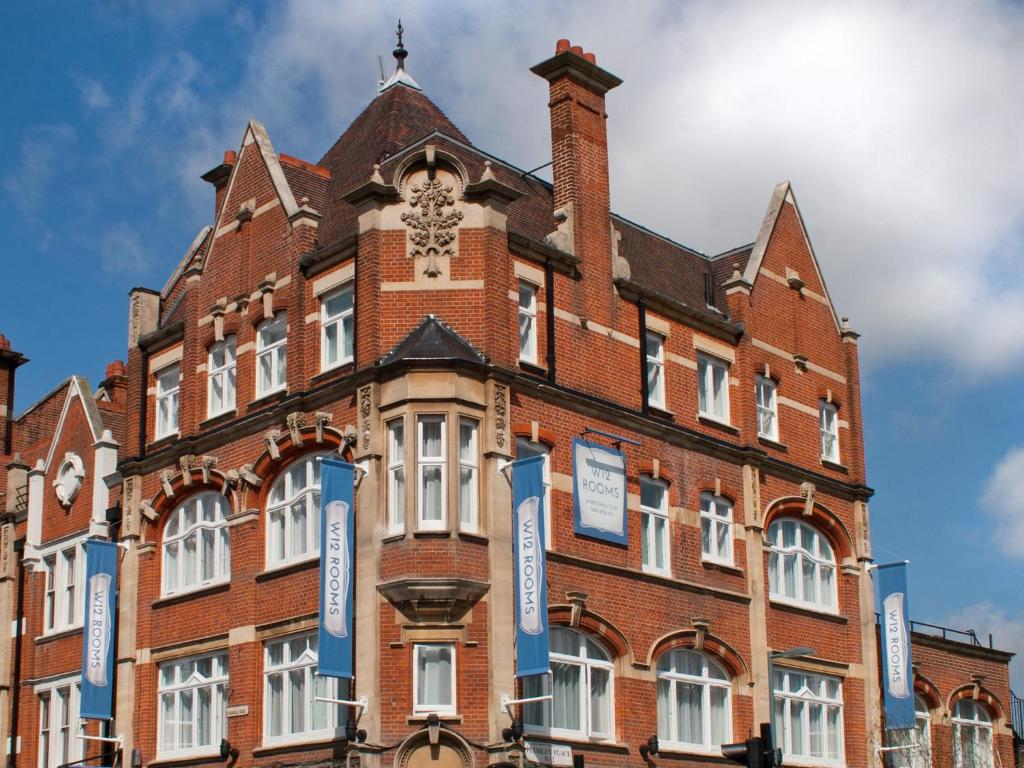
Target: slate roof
433,340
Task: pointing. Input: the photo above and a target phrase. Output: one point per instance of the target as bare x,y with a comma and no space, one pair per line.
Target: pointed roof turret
401,76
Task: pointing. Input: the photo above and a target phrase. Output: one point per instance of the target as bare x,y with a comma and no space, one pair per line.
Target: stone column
754,529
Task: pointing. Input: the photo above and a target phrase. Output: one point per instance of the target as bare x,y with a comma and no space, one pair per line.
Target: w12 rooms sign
599,492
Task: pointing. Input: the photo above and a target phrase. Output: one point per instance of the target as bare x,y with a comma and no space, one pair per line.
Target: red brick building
367,304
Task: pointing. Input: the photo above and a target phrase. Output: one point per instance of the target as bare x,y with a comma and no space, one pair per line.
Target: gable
78,393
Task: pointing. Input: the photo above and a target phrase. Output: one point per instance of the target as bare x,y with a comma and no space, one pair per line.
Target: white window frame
710,523
525,448
828,426
64,587
223,374
654,526
398,478
582,659
978,723
326,687
421,707
765,390
807,697
817,554
528,320
52,725
343,324
276,351
168,401
913,748
469,464
424,462
706,681
655,364
310,496
707,368
217,683
196,531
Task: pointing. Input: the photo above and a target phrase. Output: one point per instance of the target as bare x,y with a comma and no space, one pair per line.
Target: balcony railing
1017,715
968,636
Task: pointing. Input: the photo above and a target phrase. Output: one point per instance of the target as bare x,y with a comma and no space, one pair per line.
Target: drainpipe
143,401
641,312
549,295
19,549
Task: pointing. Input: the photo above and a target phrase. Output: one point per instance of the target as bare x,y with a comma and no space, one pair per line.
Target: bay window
196,547
396,476
431,464
808,711
192,705
468,475
654,534
272,355
293,513
694,711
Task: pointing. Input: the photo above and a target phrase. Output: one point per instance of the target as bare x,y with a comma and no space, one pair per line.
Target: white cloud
1007,632
1004,498
39,158
122,252
93,94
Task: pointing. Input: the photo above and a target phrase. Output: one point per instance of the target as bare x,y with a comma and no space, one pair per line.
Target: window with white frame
527,322
290,709
396,476
694,711
197,551
912,748
293,513
193,701
655,364
430,461
63,598
808,713
272,355
713,388
654,533
434,678
801,566
716,528
581,685
524,450
168,382
59,723
828,425
469,493
972,735
336,326
221,368
767,408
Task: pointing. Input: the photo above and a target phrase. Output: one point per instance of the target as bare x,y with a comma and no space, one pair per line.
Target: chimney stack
9,362
579,151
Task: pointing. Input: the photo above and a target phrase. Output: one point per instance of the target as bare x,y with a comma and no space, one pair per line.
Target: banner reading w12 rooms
899,675
531,567
599,492
98,635
337,574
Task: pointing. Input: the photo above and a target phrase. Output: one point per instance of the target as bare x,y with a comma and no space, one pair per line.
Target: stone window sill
181,597
287,569
709,421
772,443
809,612
834,466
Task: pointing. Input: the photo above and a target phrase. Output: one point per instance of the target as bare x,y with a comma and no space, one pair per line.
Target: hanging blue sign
531,567
337,567
896,661
599,492
98,630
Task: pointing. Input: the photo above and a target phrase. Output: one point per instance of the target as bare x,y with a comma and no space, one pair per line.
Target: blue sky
899,126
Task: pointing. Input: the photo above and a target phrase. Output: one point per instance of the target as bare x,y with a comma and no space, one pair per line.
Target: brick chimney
579,151
9,362
218,176
115,382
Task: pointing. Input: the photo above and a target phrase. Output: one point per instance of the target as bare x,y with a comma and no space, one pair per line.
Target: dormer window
272,355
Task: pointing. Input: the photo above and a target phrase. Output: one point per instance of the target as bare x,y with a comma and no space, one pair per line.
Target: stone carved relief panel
432,220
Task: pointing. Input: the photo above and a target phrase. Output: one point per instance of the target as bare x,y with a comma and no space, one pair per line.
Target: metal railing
1017,714
968,636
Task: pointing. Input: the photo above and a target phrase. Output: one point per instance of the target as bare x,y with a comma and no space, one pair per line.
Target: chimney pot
115,368
590,57
577,49
230,156
562,46
4,343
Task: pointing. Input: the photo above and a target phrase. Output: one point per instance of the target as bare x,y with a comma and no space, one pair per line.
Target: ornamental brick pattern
434,334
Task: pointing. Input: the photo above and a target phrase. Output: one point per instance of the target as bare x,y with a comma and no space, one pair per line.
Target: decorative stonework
433,221
807,492
130,506
69,479
296,421
563,237
500,416
321,419
365,409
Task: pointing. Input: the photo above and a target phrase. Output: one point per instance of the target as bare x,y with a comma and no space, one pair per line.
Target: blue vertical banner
896,662
98,630
599,492
530,567
337,561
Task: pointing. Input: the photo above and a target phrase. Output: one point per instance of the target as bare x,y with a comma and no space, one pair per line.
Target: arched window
197,549
972,735
801,566
581,674
694,710
912,749
293,513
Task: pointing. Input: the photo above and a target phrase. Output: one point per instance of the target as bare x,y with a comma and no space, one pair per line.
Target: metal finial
400,52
